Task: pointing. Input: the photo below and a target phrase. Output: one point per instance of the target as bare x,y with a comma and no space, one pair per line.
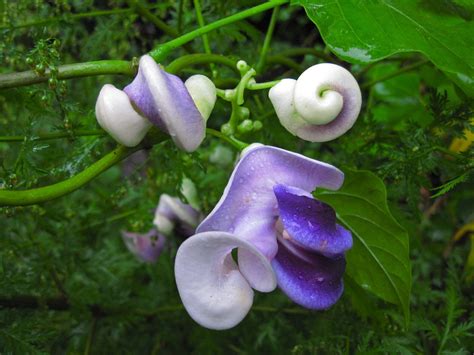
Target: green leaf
367,31
379,260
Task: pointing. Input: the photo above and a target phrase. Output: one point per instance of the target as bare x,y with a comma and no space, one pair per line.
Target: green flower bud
245,127
227,129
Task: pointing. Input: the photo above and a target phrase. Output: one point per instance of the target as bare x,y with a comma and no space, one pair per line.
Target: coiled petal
321,105
215,291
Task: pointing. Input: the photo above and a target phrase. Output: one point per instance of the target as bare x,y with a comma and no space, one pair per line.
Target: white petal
210,284
203,92
282,96
116,115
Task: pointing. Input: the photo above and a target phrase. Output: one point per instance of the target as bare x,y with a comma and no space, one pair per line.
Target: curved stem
266,42
160,52
51,192
199,58
102,67
263,86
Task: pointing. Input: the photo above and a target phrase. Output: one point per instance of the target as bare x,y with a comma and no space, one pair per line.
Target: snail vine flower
282,235
171,215
321,105
157,98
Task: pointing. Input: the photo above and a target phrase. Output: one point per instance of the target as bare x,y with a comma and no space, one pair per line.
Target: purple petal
309,279
311,223
146,247
166,102
248,207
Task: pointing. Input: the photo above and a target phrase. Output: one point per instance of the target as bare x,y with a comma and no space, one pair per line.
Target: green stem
205,39
160,52
239,94
47,193
263,86
102,67
200,58
394,74
68,71
52,135
229,139
266,42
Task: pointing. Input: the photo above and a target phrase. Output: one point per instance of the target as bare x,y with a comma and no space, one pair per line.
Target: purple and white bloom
321,105
282,234
162,99
146,247
172,214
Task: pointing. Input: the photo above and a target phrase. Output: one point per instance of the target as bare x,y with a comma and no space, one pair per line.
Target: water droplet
320,279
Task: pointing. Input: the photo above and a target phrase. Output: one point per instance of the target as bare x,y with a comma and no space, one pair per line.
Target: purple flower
177,108
283,235
171,215
146,247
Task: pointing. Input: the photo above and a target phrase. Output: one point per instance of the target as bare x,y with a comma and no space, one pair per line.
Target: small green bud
243,112
242,66
257,125
227,129
29,61
245,127
56,43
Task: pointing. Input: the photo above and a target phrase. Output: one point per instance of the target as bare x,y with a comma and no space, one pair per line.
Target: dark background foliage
67,282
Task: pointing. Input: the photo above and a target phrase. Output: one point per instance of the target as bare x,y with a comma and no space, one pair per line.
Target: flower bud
321,105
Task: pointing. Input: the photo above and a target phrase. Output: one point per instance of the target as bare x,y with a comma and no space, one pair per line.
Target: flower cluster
283,236
161,99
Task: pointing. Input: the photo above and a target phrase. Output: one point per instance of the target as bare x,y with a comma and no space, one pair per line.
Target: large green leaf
366,31
379,260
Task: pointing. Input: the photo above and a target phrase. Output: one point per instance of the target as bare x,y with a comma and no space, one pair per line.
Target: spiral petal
116,115
321,105
212,288
166,102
